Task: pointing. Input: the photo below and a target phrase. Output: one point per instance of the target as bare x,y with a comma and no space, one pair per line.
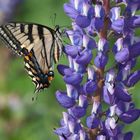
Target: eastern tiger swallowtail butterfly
39,45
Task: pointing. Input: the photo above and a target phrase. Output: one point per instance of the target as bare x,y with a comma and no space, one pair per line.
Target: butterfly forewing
39,45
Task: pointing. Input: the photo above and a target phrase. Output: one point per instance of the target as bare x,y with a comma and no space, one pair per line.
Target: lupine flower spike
94,89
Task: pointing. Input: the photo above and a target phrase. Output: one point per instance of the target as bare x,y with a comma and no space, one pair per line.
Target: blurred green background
20,117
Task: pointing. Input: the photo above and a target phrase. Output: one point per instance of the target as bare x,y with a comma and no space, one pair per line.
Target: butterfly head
45,80
58,30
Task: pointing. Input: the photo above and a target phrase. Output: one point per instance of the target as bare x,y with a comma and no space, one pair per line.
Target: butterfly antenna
53,19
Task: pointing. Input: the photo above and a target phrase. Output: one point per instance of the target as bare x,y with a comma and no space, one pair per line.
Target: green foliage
24,119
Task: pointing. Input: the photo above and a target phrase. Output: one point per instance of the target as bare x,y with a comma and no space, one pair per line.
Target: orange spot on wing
30,54
27,58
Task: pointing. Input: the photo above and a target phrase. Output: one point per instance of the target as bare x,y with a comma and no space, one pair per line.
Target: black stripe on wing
22,29
41,36
30,36
10,39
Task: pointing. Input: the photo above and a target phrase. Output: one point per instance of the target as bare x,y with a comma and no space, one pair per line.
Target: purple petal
122,56
133,5
120,108
77,38
70,11
123,72
90,87
71,50
118,45
83,102
108,98
62,131
78,111
122,94
110,77
64,70
115,13
77,4
90,13
131,105
92,122
136,21
89,42
68,118
83,135
111,126
103,45
99,11
132,79
130,116
84,57
74,127
96,107
91,28
128,136
73,79
100,60
135,50
118,1
64,100
91,73
118,25
98,24
82,21
101,137
81,69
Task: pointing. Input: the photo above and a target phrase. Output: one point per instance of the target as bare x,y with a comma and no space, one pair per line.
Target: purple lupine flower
90,80
6,9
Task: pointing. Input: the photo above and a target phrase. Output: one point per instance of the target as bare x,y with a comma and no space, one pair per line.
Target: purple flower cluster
94,91
6,9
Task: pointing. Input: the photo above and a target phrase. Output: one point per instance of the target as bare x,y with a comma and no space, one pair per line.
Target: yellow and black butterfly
40,46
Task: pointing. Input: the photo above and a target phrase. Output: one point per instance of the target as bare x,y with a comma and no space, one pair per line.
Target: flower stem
103,32
100,72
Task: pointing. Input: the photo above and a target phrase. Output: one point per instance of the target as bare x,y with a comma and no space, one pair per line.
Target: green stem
100,72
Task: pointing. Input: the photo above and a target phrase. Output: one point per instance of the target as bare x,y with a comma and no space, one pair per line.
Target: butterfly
39,45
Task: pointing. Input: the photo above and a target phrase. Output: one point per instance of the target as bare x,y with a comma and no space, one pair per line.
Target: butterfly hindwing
35,72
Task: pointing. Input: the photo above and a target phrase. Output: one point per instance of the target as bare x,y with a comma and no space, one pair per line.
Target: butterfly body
39,45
